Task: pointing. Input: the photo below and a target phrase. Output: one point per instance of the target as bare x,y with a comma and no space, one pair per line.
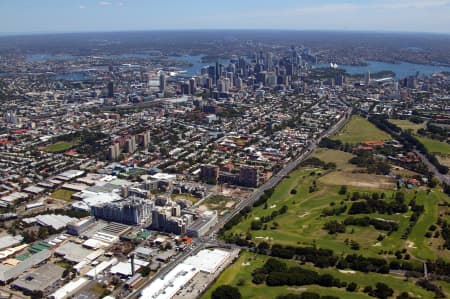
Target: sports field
359,130
59,147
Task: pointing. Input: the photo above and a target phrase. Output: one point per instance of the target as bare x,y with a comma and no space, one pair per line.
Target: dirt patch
303,214
203,208
410,244
347,271
297,289
230,204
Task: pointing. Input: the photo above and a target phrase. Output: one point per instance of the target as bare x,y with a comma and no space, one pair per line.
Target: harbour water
401,70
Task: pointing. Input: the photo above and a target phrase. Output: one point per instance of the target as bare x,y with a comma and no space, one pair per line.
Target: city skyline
132,15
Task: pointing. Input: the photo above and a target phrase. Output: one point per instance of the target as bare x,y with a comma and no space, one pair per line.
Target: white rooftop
167,287
208,260
69,288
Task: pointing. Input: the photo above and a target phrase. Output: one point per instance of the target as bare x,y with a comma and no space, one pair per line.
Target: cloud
82,7
119,3
104,3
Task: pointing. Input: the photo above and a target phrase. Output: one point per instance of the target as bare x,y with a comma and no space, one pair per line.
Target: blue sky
17,16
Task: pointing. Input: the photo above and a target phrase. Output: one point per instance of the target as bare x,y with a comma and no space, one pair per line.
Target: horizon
194,30
26,16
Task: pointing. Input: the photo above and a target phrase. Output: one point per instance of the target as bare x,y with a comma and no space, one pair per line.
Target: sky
48,16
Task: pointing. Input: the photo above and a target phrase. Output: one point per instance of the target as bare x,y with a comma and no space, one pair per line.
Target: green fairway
435,146
239,275
405,124
303,224
59,147
62,194
359,130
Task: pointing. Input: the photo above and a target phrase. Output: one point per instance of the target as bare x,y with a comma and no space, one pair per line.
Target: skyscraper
114,151
131,144
162,82
110,89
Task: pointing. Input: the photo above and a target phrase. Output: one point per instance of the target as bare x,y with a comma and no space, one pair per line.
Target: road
439,176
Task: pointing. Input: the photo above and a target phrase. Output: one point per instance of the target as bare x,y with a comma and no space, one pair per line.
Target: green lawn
239,275
359,130
339,157
59,147
62,194
405,124
435,146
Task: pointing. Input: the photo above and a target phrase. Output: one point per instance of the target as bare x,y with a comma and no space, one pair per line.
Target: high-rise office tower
110,89
162,82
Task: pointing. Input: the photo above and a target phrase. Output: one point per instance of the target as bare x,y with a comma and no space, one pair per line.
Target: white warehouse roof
208,260
167,287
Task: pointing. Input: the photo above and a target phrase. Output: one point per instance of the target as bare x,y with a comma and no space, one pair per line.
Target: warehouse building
40,279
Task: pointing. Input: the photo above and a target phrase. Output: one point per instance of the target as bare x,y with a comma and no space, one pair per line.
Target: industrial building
168,286
69,289
206,261
13,268
40,279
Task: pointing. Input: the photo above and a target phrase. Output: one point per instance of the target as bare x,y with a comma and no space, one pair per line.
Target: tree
383,291
43,232
226,292
351,287
145,271
343,190
404,295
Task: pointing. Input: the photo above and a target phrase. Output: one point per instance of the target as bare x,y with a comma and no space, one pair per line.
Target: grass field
240,273
435,146
303,224
59,147
192,198
359,130
348,174
405,124
339,157
62,194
